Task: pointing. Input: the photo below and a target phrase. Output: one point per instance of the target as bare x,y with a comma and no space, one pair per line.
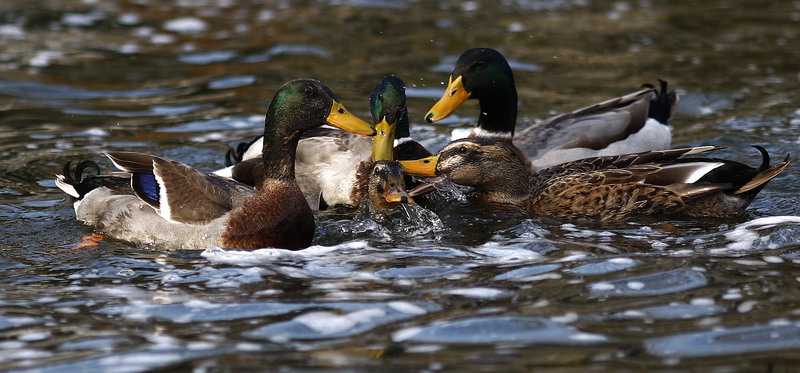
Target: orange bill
421,167
397,195
341,118
453,97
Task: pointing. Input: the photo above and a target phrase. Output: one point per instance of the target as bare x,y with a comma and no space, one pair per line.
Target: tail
236,155
663,106
77,184
767,173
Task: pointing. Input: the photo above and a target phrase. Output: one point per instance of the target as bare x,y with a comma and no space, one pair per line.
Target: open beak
453,97
397,194
427,185
341,118
421,167
383,142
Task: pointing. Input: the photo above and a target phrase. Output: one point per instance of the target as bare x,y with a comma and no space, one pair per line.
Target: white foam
186,25
702,302
745,235
478,292
635,285
246,258
587,337
621,260
602,286
33,336
12,32
566,318
500,253
327,323
773,259
746,306
407,308
405,334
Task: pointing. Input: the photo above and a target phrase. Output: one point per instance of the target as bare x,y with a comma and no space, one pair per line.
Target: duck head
386,185
387,105
303,104
482,74
484,164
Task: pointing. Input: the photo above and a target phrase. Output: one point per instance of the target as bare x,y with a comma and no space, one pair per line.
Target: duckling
602,188
386,187
333,166
170,205
631,123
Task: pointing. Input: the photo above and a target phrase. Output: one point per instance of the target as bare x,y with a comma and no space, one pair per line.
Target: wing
592,127
179,192
659,157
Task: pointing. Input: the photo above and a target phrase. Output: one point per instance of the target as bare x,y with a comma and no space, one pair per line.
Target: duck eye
380,96
308,91
462,149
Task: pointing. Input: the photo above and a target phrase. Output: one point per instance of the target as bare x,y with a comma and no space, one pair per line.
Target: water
457,291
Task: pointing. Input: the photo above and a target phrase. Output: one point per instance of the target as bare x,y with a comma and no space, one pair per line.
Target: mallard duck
333,166
167,204
631,123
602,188
386,186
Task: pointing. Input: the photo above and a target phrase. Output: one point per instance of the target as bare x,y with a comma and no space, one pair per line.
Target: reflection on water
455,290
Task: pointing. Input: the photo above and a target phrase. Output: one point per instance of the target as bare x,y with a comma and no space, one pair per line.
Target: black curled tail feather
764,157
76,184
77,177
79,183
766,172
236,155
662,107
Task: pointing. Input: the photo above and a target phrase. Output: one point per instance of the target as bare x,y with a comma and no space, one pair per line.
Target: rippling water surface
454,290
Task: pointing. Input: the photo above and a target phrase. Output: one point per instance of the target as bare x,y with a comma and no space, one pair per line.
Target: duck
334,166
635,122
162,203
386,187
607,188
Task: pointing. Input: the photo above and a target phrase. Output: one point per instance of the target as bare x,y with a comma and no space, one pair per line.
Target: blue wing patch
146,188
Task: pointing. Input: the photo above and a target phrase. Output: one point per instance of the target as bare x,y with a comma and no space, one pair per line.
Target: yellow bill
453,97
341,118
383,142
421,167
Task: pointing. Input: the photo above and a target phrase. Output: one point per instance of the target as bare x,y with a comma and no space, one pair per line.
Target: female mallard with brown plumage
167,204
602,188
631,123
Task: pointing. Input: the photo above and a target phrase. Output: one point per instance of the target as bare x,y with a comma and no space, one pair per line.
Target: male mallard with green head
631,123
333,167
167,204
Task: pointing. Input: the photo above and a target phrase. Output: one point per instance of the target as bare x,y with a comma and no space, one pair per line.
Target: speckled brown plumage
608,188
361,186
